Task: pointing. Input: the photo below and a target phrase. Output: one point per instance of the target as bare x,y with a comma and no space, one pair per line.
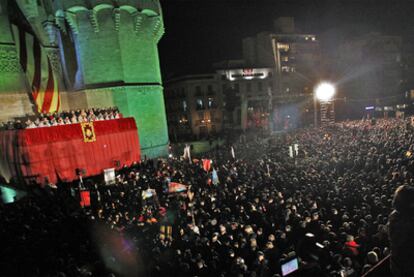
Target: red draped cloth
56,152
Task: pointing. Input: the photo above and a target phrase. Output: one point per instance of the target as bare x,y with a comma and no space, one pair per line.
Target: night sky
201,32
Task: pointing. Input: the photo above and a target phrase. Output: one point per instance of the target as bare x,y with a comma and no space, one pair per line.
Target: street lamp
324,92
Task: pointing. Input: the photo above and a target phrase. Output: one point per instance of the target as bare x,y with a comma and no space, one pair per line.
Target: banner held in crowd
207,164
215,177
174,187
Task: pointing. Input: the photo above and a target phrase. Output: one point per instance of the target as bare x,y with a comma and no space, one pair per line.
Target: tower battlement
105,53
143,22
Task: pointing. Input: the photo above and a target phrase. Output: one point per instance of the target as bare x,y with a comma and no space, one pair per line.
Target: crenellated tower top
106,53
45,15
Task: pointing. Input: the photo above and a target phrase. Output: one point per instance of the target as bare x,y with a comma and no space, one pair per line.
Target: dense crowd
62,118
328,205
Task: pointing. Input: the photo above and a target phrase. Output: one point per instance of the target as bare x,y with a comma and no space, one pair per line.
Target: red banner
176,187
206,165
56,152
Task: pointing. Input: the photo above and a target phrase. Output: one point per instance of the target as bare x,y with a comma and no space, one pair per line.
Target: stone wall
117,64
14,100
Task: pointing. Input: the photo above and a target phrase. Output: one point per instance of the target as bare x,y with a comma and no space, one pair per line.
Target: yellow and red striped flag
36,65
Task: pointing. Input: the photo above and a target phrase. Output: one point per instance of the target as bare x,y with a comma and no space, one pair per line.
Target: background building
370,71
201,105
103,53
248,96
295,57
407,59
277,69
371,65
194,106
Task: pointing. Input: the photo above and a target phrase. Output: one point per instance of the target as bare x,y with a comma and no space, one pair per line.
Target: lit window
183,119
184,105
211,103
285,69
313,38
199,104
283,46
285,59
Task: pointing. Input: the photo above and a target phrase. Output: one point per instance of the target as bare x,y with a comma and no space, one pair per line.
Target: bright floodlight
325,92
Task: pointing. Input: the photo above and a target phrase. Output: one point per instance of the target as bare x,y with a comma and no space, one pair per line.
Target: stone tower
14,99
105,52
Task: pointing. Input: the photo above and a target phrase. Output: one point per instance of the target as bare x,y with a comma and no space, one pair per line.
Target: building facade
253,88
297,61
199,106
295,56
277,69
103,53
194,105
371,65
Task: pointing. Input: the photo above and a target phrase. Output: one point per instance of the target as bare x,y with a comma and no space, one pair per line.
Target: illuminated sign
247,73
369,108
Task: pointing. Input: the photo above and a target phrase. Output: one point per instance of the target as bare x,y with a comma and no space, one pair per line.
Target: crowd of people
62,118
326,205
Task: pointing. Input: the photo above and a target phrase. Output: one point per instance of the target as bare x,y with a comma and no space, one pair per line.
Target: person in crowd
67,120
74,119
30,124
401,231
327,207
44,122
60,121
63,118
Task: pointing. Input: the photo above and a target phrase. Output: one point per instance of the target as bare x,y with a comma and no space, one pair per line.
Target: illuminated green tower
14,99
107,56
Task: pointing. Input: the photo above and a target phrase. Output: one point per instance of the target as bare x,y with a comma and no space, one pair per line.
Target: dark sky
200,32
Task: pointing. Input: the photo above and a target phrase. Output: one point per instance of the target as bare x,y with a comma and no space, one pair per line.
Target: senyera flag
176,188
85,198
35,63
207,164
